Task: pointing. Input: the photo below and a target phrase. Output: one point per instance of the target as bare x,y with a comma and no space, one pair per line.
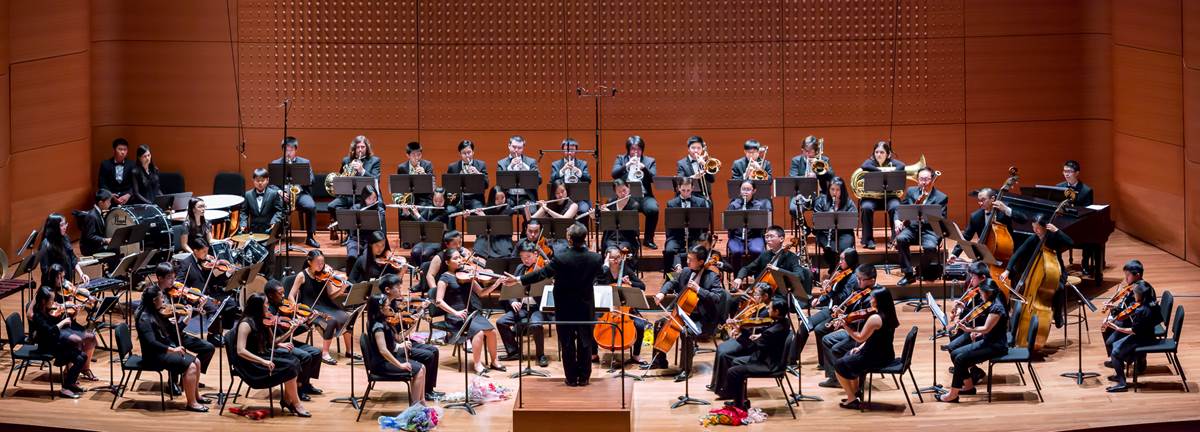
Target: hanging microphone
285,102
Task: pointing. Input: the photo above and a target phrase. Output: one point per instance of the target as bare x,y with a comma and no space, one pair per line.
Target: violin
392,260
852,317
338,280
220,265
1122,292
472,272
272,320
854,298
1123,314
64,309
976,312
175,310
832,282
81,295
192,295
546,251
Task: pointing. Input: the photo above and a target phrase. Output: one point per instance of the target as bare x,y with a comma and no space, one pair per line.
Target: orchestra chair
288,281
1165,303
230,339
133,363
897,368
229,183
1168,347
372,378
171,183
780,373
1018,355
19,350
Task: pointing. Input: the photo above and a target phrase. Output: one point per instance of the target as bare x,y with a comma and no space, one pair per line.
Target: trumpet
569,172
755,169
711,165
635,167
416,169
468,167
517,164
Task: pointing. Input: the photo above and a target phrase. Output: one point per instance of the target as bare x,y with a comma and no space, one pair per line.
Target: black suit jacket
768,348
607,278
574,271
372,166
311,176
402,168
649,170
557,165
193,275
936,197
684,168
737,171
712,296
799,168
502,165
456,168
107,178
92,230
1083,194
693,234
260,219
978,219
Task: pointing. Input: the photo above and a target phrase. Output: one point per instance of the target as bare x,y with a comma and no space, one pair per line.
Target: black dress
152,336
313,289
145,186
456,297
62,255
376,363
877,351
287,367
497,246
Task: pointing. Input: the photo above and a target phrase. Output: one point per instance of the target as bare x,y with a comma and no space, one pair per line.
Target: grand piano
1088,227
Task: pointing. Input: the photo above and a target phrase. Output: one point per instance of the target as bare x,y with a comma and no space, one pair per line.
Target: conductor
573,269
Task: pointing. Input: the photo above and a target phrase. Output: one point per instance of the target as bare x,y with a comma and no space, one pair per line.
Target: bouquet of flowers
482,390
732,416
417,418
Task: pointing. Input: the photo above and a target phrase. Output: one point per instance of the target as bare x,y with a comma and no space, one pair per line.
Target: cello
609,337
684,304
1038,283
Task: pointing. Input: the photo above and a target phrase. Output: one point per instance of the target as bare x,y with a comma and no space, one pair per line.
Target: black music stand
607,192
689,330
358,298
219,395
488,226
413,232
416,184
1079,375
635,298
105,308
668,183
463,184
946,230
745,220
519,292
794,188
555,228
886,183
796,292
526,180
762,188
359,221
578,191
281,175
173,202
832,222
621,220
938,317
688,219
919,213
352,185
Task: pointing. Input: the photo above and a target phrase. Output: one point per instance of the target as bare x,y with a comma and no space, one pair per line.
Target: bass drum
158,229
251,253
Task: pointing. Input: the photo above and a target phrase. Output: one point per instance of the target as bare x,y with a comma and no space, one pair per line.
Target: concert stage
546,404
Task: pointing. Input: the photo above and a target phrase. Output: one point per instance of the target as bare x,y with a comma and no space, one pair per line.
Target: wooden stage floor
1067,406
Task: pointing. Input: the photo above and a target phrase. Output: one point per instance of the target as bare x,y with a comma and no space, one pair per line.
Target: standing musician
837,200
195,225
693,166
746,243
318,288
979,275
980,341
1123,299
307,355
1084,196
574,271
262,359
1131,328
379,260
51,324
55,248
708,313
626,238
158,338
165,278
467,164
416,165
571,169
496,246
812,151
370,201
882,159
872,343
517,161
425,354
832,293
460,299
765,355
92,226
116,174
263,205
837,340
907,231
359,162
145,178
1056,240
755,159
423,250
977,225
304,201
564,207
524,310
609,274
679,241
633,167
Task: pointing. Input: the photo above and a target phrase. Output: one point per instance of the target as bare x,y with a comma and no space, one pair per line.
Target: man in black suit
263,206
116,174
517,161
93,230
574,271
521,311
810,151
977,225
416,165
569,147
679,241
707,314
753,151
635,149
467,164
1084,197
906,232
784,260
361,162
692,167
304,200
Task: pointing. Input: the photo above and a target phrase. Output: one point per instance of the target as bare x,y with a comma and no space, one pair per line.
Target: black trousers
867,209
837,344
342,202
907,237
427,355
576,346
735,383
818,321
687,346
723,360
309,358
308,210
969,355
649,208
513,323
831,248
203,350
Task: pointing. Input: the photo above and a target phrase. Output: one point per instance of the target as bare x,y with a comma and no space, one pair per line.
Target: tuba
858,182
755,169
570,172
347,170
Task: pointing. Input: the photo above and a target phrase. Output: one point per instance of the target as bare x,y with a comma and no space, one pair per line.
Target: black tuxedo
788,263
675,237
648,205
520,195
976,225
574,271
92,231
403,167
687,167
1092,256
472,200
557,166
260,219
304,200
708,313
107,178
737,171
928,238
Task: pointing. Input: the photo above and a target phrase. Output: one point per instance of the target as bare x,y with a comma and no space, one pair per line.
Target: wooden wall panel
196,152
507,86
44,29
1148,24
49,101
1147,92
943,147
163,84
1033,17
5,125
1191,113
667,22
153,20
329,21
1039,149
929,81
1191,34
1061,77
1192,213
1152,199
34,194
837,83
872,19
491,22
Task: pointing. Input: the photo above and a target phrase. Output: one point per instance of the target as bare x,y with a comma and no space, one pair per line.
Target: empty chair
228,183
171,183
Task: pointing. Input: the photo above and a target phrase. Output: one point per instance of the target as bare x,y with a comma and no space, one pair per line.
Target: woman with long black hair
56,249
157,336
259,363
145,178
874,348
53,333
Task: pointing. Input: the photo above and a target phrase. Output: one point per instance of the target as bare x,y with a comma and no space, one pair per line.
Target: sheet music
937,311
601,294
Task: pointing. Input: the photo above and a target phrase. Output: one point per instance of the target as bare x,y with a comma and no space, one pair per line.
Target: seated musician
988,204
1123,299
1132,327
262,360
707,240
534,235
370,201
200,270
196,225
416,165
907,232
304,201
775,257
618,265
324,297
837,200
676,238
53,333
741,167
451,240
460,300
263,206
382,347
517,161
758,304
421,252
692,167
635,167
1084,196
116,174
93,236
882,159
158,337
563,208
832,292
707,314
983,341
496,246
625,238
55,248
524,310
765,355
873,343
374,264
165,278
467,164
360,161
145,178
746,243
571,169
811,150
307,355
837,340
979,274
1055,240
406,348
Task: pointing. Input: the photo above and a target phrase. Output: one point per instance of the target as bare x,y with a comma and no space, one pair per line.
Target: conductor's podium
548,404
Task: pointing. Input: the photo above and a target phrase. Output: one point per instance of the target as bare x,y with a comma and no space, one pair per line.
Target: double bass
1037,284
996,236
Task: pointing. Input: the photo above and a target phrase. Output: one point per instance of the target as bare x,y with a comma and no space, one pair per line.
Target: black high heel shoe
291,409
